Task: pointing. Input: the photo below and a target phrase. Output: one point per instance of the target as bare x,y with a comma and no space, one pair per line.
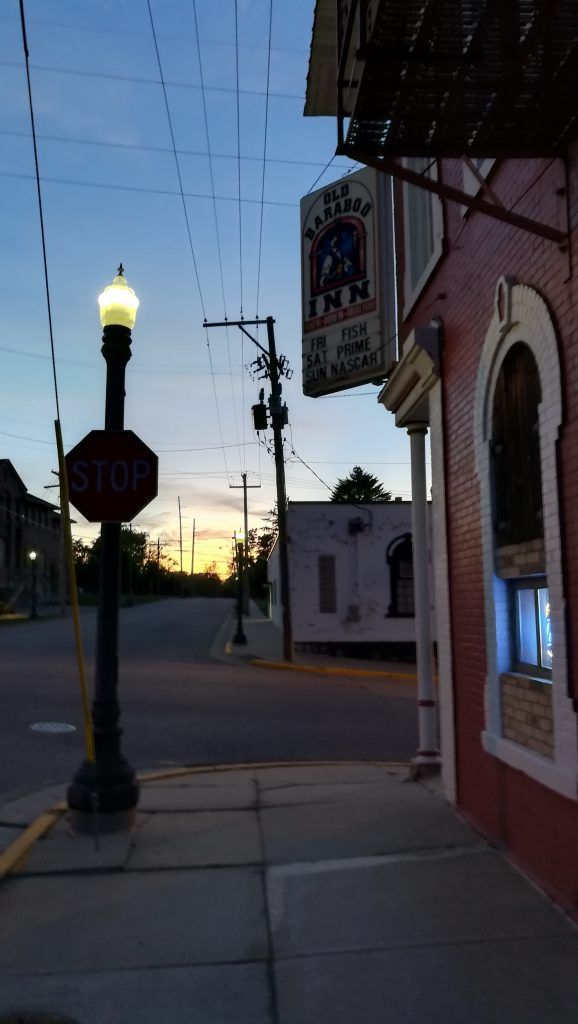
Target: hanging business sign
344,234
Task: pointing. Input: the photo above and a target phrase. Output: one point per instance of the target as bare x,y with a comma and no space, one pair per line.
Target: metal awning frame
457,195
491,206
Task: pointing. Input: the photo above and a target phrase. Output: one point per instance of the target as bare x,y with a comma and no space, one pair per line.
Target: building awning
485,78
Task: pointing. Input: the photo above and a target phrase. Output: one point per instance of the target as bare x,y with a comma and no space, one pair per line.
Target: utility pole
158,587
181,548
235,487
193,551
274,369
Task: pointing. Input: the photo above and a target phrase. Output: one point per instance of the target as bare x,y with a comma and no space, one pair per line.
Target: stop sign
112,475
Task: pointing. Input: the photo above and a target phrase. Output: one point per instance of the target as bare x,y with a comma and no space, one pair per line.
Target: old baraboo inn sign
347,283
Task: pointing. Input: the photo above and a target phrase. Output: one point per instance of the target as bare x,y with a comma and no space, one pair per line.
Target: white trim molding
521,315
442,596
411,290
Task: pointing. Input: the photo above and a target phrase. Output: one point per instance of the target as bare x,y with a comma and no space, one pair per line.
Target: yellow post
65,513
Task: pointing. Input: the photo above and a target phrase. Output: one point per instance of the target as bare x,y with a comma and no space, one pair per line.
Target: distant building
27,523
351,578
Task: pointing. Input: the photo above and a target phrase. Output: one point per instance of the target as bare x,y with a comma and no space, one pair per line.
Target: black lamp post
240,637
109,785
33,608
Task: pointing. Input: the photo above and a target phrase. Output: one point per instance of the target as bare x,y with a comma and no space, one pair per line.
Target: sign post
111,476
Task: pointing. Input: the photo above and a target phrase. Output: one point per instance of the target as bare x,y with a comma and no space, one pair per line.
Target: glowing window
533,627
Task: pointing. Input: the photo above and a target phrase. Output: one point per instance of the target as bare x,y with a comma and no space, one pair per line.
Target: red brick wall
539,827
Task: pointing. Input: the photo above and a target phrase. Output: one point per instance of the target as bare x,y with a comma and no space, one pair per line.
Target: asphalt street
179,705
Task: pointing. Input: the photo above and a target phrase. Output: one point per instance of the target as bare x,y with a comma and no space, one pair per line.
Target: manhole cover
50,727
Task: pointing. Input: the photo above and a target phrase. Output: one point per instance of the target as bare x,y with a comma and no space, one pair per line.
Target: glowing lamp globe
118,303
32,556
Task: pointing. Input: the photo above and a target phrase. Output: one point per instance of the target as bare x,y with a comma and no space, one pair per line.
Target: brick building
481,146
27,523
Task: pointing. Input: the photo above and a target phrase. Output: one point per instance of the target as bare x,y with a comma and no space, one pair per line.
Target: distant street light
240,637
33,610
109,785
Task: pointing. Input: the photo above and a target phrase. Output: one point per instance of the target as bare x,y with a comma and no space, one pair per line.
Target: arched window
516,472
399,557
517,507
519,387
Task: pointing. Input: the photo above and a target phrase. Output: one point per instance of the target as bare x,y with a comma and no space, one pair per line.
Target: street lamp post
33,609
109,785
239,637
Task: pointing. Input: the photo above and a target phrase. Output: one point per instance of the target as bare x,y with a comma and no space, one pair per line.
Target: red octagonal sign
112,475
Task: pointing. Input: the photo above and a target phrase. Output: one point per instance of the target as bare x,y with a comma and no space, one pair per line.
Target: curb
329,670
17,851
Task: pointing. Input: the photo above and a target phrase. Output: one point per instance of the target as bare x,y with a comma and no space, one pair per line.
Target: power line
239,156
190,237
326,168
302,461
219,254
62,139
177,165
148,369
216,402
161,35
264,157
137,80
40,210
135,188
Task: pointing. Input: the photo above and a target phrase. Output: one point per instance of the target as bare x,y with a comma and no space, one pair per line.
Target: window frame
534,583
392,557
412,292
331,609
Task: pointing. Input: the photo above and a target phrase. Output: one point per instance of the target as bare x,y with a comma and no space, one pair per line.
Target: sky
110,191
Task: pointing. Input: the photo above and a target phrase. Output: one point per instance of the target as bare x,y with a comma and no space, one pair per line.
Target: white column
428,749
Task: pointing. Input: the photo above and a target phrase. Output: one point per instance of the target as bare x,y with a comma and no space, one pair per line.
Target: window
516,470
532,627
327,594
399,557
423,231
517,508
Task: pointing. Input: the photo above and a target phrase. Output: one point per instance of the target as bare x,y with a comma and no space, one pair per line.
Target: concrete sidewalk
328,894
265,644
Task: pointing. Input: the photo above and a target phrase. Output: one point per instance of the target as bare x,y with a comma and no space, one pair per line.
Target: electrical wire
264,157
326,168
40,209
136,188
216,220
217,404
137,80
62,139
69,27
239,156
311,470
177,165
143,35
190,237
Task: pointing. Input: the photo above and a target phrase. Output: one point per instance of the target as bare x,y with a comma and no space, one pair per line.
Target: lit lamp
33,611
118,303
240,637
109,785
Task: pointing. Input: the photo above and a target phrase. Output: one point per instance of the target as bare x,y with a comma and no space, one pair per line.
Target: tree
359,487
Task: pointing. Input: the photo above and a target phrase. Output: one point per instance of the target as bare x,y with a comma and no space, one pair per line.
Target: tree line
146,571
